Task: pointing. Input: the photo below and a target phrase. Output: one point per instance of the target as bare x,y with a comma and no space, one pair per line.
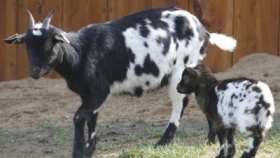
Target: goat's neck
205,91
71,53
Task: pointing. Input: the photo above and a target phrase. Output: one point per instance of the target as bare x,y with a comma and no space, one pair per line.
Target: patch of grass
114,121
153,132
58,133
190,143
5,138
108,147
172,151
133,137
185,132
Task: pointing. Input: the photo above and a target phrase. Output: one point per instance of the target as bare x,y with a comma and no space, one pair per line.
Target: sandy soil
28,107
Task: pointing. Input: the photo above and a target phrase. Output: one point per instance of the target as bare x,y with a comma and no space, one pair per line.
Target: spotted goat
132,54
241,103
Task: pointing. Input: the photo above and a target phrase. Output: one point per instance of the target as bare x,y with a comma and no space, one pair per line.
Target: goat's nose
35,72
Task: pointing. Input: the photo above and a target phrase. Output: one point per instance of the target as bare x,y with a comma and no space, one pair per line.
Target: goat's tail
224,42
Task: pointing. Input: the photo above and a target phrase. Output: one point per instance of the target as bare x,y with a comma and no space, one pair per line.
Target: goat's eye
185,78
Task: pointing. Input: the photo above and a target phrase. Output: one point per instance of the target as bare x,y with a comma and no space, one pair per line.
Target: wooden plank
120,8
39,10
184,4
256,27
77,14
8,27
216,16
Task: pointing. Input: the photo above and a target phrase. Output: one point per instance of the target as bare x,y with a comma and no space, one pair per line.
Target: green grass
5,138
192,144
58,133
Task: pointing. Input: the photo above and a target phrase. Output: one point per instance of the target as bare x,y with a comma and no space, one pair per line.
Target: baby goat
240,103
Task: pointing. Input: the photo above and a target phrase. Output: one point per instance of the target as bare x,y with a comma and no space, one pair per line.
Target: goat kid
132,54
241,103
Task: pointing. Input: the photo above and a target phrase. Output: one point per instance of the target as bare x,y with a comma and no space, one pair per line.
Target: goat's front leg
79,122
211,133
177,113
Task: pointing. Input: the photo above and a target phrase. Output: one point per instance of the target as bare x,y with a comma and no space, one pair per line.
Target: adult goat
132,54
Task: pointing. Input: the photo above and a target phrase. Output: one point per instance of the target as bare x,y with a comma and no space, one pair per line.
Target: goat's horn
47,20
31,20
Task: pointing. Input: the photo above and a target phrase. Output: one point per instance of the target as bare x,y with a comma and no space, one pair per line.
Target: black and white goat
241,103
138,52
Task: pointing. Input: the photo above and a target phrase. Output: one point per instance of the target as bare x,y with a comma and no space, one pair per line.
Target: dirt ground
36,115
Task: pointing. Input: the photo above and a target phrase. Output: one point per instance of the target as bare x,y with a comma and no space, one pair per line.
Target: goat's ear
192,72
15,39
61,38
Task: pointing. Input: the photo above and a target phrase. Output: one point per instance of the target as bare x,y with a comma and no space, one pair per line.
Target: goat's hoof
90,148
211,142
161,143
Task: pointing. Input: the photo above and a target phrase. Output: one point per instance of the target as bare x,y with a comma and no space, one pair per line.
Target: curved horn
47,20
31,20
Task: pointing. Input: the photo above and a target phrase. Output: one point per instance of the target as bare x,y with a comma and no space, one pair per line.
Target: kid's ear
192,72
61,38
15,39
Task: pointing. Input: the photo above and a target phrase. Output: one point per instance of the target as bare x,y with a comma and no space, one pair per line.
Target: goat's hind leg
92,139
254,143
222,140
231,144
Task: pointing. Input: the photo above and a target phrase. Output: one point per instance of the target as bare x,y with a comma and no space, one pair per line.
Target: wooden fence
254,23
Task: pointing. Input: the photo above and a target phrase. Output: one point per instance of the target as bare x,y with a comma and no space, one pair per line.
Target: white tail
224,42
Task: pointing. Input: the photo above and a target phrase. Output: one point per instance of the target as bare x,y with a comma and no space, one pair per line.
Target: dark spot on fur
263,103
230,104
186,59
149,67
182,28
204,46
268,113
144,31
146,45
165,80
234,96
167,15
177,46
138,91
165,42
247,111
131,55
230,114
256,109
256,89
174,61
147,83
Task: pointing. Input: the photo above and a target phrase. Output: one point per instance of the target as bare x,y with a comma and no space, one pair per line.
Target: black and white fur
241,103
138,52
